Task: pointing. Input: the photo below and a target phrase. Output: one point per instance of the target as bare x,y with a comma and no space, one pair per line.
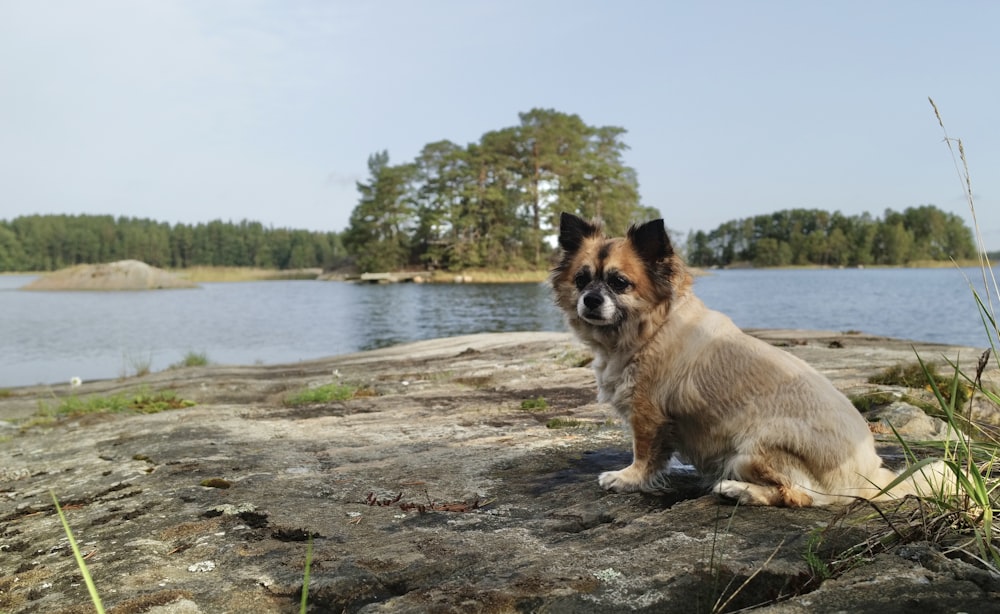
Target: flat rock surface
432,490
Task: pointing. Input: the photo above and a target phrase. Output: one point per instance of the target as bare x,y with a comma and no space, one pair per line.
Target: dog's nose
592,300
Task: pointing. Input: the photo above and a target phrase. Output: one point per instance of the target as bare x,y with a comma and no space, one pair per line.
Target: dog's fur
763,426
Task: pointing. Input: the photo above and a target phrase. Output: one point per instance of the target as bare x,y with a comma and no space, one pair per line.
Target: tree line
50,242
815,237
492,203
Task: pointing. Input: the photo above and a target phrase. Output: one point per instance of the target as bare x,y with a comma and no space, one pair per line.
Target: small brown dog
762,425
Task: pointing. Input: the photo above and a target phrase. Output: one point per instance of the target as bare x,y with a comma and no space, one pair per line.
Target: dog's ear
651,241
573,230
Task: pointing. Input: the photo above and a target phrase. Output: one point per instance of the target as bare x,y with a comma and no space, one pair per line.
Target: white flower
75,382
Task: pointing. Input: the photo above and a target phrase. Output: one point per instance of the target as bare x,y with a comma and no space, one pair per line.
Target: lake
50,337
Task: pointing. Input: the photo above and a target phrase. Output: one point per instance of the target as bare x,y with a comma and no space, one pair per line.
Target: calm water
49,337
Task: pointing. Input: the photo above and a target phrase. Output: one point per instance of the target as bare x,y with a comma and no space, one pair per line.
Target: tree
600,184
378,234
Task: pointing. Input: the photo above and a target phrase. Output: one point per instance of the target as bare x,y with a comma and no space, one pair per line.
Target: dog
762,426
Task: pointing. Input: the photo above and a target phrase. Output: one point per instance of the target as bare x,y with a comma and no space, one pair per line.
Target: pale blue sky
189,111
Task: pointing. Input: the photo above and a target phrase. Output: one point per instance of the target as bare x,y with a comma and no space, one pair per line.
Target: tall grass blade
91,588
305,578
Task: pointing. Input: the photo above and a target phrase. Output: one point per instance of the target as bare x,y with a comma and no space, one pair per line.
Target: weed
305,577
871,400
921,376
820,569
563,423
143,401
192,359
80,563
139,365
539,404
325,394
5,393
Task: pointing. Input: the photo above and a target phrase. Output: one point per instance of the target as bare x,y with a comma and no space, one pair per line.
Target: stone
443,495
913,423
120,275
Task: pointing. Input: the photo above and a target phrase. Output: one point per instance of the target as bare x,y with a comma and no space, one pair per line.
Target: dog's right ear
573,230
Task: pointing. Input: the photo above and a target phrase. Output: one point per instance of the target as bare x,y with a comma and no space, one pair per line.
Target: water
49,337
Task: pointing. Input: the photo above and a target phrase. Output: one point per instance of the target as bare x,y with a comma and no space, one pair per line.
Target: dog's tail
929,478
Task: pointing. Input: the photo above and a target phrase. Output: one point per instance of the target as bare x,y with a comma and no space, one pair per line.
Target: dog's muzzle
596,308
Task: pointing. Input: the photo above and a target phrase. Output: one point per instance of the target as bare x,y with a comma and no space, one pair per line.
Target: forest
814,237
51,242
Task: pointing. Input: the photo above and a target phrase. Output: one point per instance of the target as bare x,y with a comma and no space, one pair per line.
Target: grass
872,400
139,365
539,404
192,359
563,423
143,401
95,598
304,602
210,274
921,376
494,276
325,394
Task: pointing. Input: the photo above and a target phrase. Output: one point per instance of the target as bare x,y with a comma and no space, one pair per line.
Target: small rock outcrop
121,275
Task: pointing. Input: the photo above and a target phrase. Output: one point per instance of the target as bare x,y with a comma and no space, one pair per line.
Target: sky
187,111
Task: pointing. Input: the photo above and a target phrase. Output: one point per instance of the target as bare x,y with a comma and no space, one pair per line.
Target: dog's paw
628,479
746,493
733,490
617,481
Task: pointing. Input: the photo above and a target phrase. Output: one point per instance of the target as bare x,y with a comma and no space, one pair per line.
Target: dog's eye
581,280
619,283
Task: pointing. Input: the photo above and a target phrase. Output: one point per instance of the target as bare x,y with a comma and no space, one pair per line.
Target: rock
440,495
912,422
121,275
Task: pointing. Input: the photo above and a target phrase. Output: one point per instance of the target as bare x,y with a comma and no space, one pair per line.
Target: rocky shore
459,476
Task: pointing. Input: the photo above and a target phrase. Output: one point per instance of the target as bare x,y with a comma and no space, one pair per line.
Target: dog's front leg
650,452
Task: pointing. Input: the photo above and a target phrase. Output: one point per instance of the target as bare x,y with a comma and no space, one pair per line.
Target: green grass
920,376
324,394
871,400
563,423
192,359
95,598
136,365
305,577
143,401
539,404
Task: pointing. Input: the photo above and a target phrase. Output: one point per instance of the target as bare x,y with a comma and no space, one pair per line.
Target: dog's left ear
651,241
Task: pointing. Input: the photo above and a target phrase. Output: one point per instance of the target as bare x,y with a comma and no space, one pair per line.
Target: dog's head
610,286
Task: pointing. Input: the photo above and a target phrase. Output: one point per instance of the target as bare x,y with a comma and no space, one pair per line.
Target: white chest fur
615,381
